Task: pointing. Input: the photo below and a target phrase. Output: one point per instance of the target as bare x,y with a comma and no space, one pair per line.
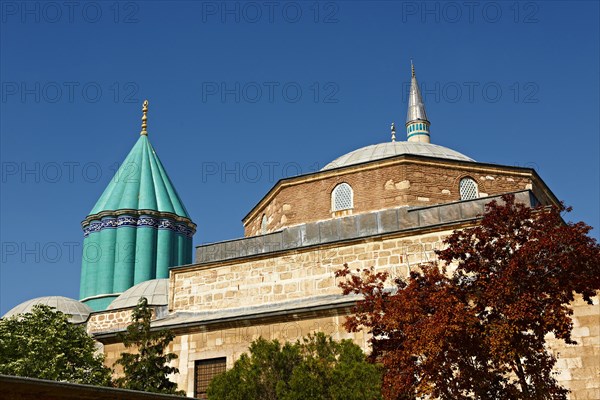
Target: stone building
388,205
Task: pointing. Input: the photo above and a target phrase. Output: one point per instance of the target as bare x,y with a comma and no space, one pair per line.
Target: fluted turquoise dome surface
141,183
137,230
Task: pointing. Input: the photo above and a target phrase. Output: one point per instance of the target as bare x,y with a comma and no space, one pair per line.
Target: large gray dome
77,311
155,290
390,149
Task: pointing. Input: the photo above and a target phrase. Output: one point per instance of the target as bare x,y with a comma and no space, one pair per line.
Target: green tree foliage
147,369
476,328
44,344
318,368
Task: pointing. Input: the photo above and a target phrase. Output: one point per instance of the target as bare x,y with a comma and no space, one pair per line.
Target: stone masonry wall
390,184
302,274
295,274
578,366
232,343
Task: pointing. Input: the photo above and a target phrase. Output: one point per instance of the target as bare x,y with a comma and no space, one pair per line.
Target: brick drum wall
108,320
399,183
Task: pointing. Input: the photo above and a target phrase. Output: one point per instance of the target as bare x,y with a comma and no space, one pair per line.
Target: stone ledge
243,316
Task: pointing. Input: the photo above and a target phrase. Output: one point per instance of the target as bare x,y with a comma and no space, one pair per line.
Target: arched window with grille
468,189
342,197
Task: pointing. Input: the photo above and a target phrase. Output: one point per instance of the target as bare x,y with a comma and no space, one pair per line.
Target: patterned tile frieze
142,221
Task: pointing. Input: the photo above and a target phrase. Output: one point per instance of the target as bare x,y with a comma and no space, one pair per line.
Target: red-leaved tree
475,327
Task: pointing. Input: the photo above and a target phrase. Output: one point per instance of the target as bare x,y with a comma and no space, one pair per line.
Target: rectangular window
204,371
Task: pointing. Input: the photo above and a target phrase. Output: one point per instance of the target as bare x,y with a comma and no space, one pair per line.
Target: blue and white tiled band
143,221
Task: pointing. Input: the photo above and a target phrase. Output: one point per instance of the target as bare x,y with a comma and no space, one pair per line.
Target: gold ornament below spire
144,118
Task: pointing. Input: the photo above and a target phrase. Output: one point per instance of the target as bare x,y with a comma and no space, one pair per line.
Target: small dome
77,311
155,290
391,149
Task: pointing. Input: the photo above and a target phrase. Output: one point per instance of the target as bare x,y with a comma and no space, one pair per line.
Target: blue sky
245,93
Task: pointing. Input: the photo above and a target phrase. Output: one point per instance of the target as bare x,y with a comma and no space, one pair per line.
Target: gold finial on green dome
144,118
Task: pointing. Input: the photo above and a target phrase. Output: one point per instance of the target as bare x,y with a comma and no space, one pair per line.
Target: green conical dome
141,183
137,230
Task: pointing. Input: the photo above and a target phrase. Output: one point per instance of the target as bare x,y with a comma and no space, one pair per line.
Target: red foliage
474,328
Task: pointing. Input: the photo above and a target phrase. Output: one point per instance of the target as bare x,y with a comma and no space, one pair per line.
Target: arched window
468,189
342,197
263,224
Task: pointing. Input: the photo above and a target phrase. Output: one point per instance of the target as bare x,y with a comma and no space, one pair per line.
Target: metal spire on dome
416,108
417,124
144,118
393,127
